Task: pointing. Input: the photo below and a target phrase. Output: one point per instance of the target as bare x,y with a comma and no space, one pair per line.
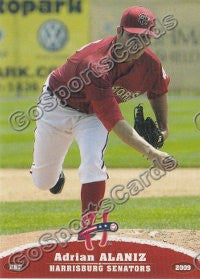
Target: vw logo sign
53,35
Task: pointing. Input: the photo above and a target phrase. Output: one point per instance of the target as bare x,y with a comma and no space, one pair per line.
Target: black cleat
57,189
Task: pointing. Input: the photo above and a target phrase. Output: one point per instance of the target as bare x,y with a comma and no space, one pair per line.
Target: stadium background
36,37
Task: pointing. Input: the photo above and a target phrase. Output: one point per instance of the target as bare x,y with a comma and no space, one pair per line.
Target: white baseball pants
54,133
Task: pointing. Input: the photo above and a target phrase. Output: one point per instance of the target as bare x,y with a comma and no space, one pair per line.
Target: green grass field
146,213
149,213
16,147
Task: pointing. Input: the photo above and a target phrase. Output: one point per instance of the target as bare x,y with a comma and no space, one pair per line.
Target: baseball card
100,133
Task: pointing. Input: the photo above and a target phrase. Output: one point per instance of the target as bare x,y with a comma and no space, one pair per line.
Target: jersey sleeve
104,104
160,84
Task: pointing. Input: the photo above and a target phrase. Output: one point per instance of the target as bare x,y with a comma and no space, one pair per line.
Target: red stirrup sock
91,195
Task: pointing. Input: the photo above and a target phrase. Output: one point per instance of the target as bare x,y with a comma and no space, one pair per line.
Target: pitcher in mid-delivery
89,87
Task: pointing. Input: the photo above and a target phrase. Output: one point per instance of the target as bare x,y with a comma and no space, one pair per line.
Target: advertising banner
35,38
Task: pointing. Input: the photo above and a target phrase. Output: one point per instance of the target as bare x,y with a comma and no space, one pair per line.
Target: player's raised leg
50,148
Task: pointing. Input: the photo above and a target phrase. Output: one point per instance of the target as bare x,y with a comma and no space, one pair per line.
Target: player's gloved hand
162,160
148,128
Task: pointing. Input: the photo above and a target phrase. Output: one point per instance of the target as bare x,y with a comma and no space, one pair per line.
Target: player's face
135,44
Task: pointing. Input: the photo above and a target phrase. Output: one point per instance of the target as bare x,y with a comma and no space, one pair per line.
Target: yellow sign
36,37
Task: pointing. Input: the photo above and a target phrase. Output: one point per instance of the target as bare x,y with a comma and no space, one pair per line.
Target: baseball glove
147,128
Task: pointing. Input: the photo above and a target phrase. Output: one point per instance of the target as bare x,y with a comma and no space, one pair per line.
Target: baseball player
89,87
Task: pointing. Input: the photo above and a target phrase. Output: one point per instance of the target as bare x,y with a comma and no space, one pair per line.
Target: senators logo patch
143,19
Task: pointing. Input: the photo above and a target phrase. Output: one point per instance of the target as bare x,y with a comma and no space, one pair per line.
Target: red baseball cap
138,20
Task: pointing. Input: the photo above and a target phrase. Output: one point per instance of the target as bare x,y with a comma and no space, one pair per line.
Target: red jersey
92,82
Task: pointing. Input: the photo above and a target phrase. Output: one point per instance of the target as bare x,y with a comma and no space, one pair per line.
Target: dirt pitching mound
188,239
17,185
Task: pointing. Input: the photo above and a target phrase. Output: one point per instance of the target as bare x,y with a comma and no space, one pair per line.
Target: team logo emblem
87,233
143,19
53,35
